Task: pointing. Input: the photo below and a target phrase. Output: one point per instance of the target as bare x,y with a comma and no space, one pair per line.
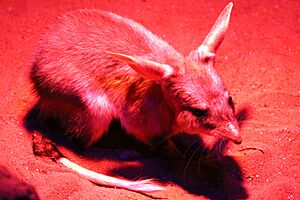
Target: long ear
217,33
147,68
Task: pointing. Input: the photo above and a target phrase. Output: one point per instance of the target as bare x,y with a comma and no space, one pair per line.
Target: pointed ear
147,68
216,35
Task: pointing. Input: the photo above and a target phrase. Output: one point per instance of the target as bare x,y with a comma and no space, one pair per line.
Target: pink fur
91,67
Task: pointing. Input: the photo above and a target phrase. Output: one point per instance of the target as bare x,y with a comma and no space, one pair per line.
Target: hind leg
88,126
78,120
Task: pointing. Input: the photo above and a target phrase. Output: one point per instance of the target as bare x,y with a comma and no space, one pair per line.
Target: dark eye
198,112
230,102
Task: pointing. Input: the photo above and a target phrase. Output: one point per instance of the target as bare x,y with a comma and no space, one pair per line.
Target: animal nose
238,140
234,133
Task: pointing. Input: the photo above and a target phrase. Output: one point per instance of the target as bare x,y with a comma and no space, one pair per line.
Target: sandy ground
259,61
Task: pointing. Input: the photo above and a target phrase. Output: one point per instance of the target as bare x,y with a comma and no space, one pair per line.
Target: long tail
147,185
44,147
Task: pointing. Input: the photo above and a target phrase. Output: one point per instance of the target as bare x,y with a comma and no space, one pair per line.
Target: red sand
259,60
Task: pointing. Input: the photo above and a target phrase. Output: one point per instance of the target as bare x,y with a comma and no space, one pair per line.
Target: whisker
189,147
200,158
159,142
219,147
189,161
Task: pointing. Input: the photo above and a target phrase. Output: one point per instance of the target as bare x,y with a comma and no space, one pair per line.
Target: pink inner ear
147,68
122,57
216,35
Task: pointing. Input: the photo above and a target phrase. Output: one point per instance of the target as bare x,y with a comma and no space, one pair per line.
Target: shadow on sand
218,179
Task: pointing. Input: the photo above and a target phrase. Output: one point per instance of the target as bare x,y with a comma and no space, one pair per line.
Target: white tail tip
147,185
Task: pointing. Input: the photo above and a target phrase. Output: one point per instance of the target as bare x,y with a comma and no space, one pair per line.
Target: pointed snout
232,132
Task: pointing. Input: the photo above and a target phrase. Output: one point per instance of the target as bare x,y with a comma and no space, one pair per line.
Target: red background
259,61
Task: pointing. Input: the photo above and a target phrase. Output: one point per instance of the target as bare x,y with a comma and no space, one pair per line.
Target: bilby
91,67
